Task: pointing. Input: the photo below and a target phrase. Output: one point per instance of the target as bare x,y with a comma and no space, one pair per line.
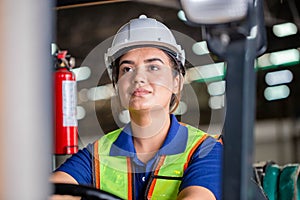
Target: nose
139,76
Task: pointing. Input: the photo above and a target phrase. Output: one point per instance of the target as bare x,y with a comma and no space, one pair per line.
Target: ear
178,83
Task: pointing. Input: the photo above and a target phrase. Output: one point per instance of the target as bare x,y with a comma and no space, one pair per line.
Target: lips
140,92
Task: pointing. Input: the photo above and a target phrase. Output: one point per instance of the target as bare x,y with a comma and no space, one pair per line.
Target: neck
148,125
149,131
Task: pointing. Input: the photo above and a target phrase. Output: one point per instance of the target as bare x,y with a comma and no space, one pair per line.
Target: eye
153,68
126,69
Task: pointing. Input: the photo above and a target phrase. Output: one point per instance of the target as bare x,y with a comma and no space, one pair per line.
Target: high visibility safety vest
114,174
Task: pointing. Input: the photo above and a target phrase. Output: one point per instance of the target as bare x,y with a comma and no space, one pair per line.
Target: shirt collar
174,143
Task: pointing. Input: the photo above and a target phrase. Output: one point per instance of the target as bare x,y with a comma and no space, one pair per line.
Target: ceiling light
80,112
124,116
101,92
285,29
264,61
285,56
279,77
200,48
216,88
216,102
54,48
82,95
181,15
277,92
206,72
82,73
181,109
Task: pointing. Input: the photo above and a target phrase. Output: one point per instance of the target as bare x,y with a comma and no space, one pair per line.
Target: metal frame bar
239,45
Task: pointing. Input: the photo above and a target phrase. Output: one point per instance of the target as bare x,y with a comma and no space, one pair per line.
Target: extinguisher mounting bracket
63,59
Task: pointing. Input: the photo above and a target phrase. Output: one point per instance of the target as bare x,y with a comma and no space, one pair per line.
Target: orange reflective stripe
97,165
182,123
220,139
151,189
129,173
193,150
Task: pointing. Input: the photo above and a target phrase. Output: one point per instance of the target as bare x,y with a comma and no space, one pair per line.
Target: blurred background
85,28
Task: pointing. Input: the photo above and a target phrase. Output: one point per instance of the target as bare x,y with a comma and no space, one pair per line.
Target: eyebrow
145,61
126,62
153,59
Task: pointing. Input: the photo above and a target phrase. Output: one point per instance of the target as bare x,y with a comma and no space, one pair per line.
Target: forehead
145,53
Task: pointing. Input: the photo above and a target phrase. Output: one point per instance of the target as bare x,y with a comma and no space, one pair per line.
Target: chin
147,108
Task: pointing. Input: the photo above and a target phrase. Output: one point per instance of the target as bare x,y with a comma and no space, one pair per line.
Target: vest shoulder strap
101,148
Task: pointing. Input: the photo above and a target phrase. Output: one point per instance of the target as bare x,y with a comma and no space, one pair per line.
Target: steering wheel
90,193
86,192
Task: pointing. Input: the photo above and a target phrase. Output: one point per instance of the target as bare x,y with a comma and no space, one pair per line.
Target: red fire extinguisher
65,91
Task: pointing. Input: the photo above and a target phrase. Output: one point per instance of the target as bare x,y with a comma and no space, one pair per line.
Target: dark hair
175,64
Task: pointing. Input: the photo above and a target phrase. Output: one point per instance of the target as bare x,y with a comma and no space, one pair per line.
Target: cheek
165,83
123,88
162,92
123,83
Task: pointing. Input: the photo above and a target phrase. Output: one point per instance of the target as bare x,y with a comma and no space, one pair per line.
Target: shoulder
202,141
205,166
106,140
111,136
84,155
209,147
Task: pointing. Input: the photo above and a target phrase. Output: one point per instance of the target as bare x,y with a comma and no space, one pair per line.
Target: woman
154,156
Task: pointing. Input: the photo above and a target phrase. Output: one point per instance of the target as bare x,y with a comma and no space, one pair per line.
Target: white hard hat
143,32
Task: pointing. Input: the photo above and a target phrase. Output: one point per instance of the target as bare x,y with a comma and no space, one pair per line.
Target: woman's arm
196,193
202,178
76,170
62,177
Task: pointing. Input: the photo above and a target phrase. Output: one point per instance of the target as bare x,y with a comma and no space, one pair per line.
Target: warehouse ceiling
83,27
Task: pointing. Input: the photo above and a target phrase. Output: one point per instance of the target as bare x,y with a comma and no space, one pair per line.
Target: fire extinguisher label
69,103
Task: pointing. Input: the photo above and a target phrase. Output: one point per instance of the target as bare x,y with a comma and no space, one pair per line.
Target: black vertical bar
240,115
239,45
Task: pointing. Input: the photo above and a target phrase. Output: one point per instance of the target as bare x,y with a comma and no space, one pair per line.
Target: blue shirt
204,169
